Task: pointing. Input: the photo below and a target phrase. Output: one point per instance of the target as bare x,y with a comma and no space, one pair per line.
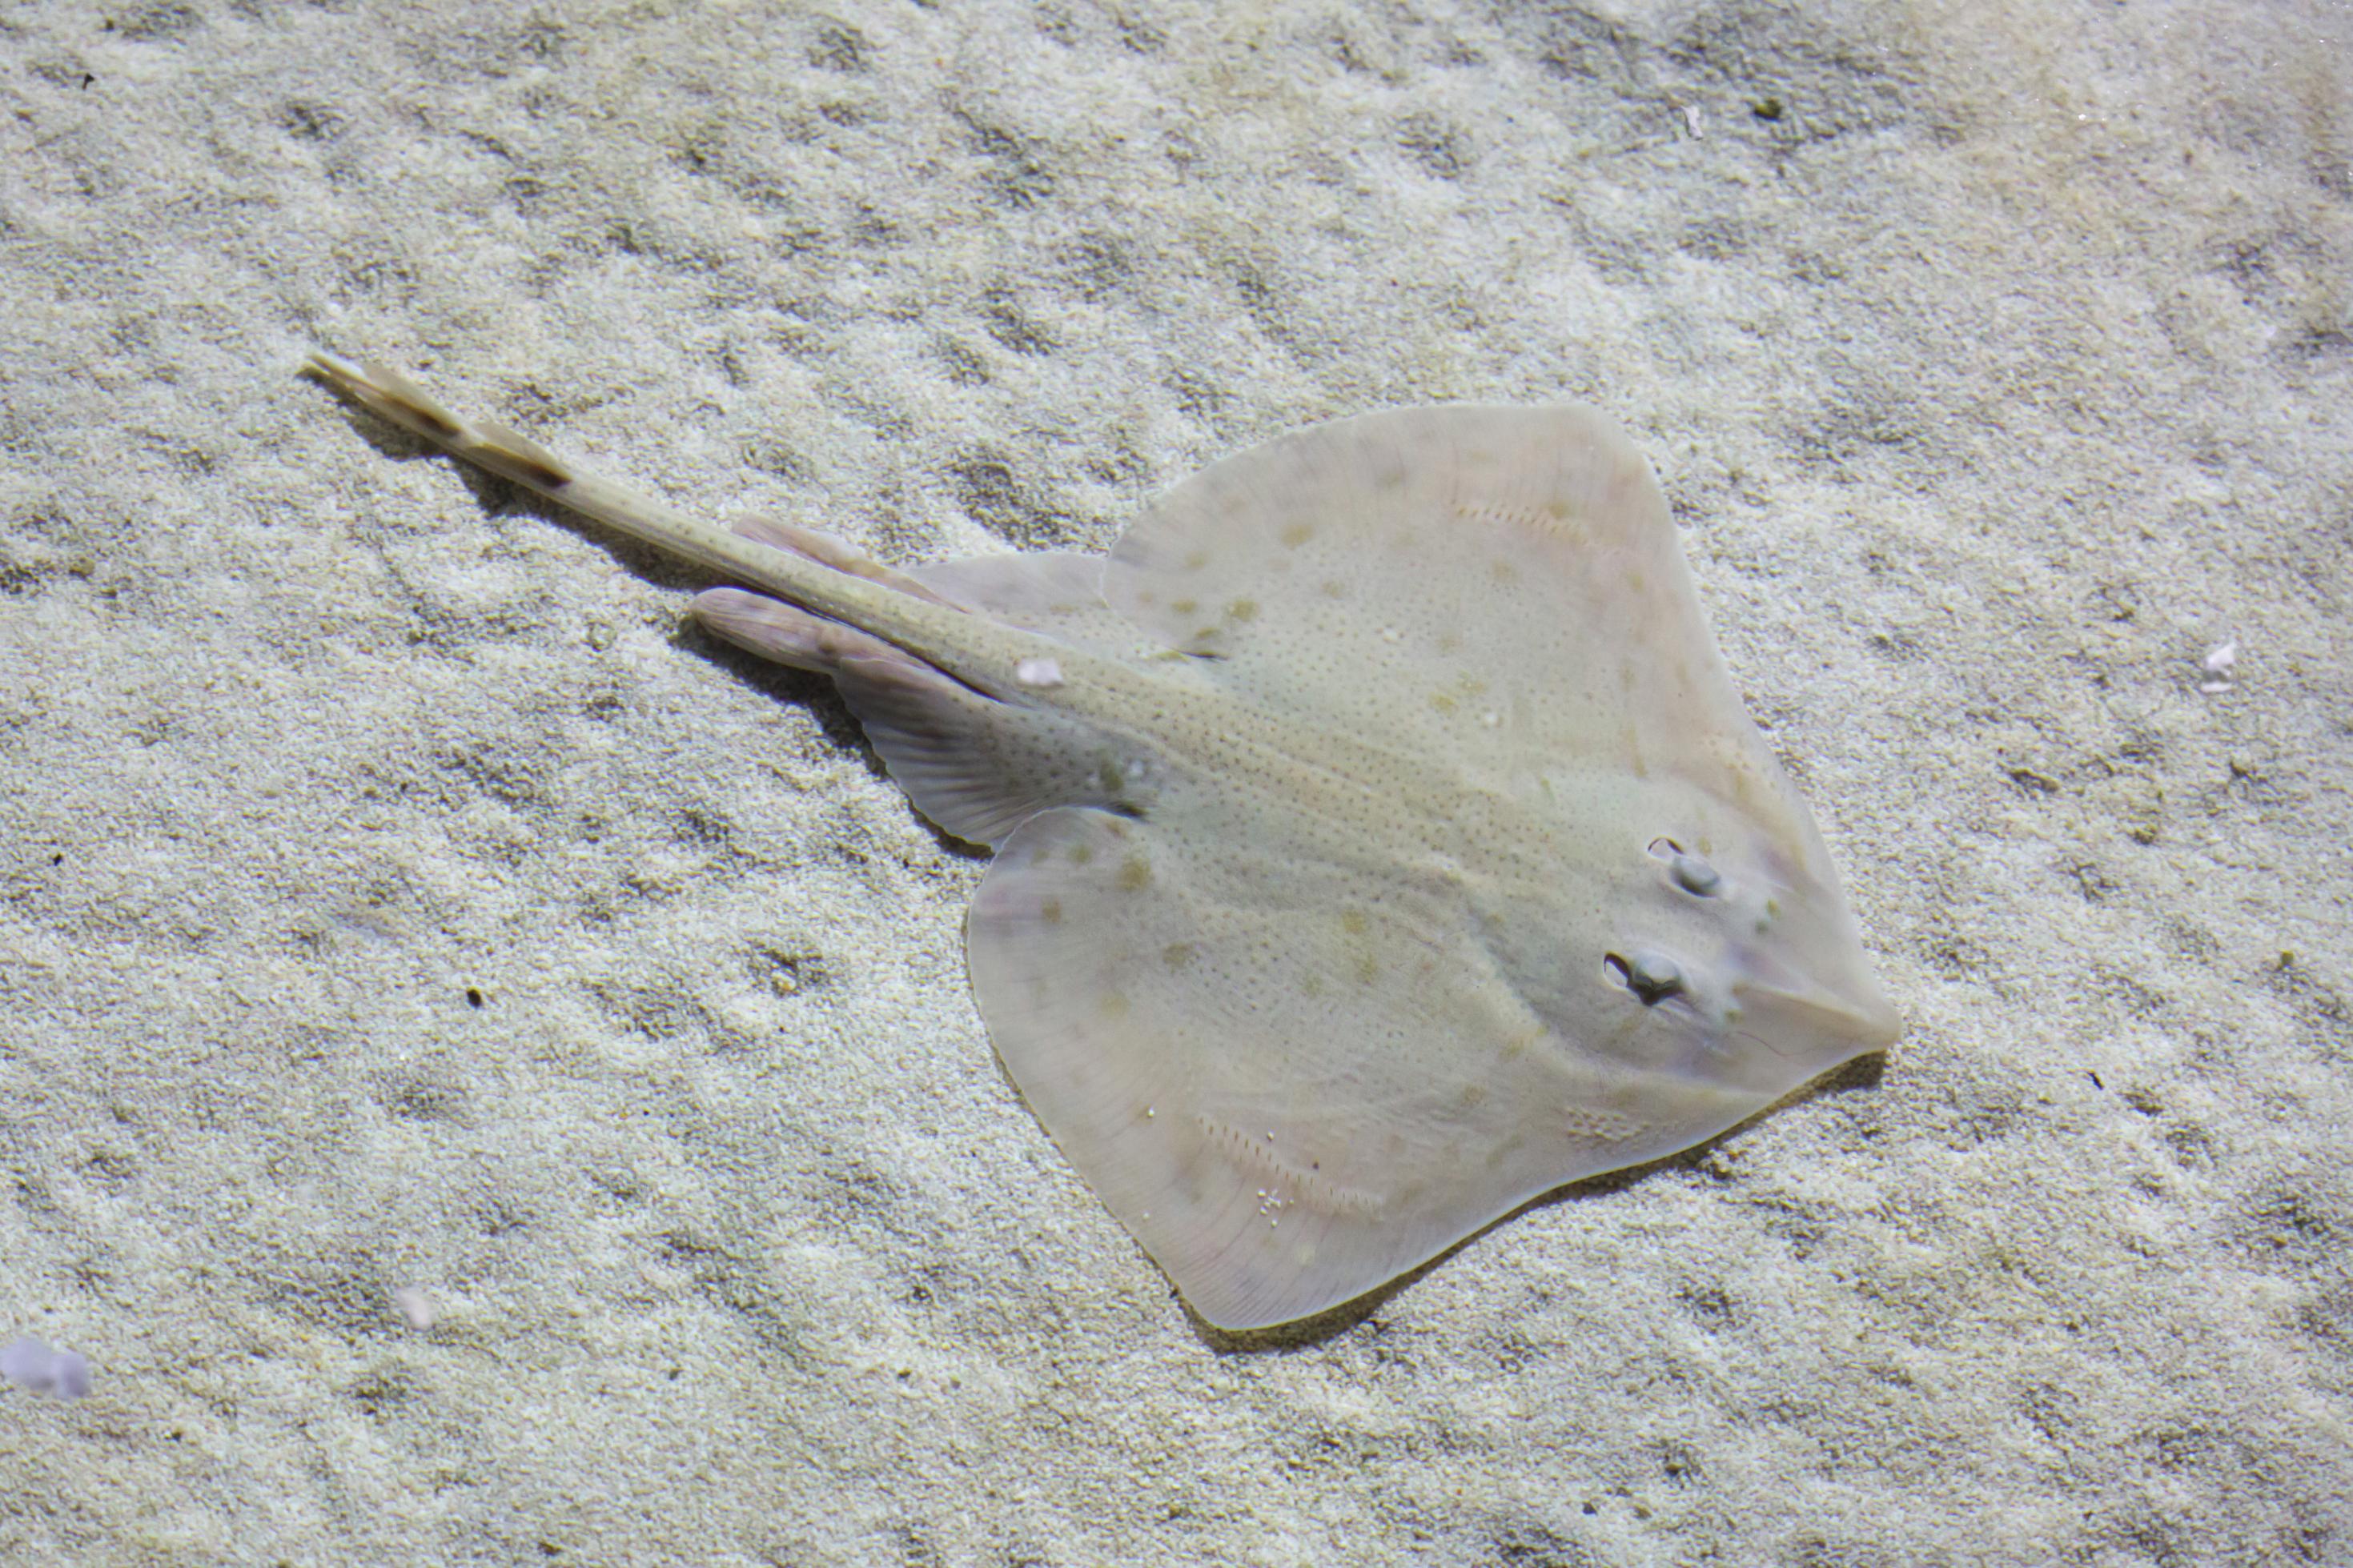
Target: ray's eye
1653,977
1695,876
1691,872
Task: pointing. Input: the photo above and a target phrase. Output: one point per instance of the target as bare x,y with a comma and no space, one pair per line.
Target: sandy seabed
487,1074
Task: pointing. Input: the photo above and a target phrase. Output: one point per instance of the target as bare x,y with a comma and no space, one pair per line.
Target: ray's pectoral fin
1289,1084
976,765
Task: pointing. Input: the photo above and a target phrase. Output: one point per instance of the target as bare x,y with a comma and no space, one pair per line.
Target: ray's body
1379,840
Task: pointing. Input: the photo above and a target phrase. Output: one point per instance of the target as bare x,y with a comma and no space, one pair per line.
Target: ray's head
1739,944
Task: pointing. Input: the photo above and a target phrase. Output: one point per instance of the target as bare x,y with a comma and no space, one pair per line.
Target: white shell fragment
2218,662
1380,842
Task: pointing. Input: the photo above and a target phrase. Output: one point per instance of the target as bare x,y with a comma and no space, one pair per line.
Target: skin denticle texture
1380,842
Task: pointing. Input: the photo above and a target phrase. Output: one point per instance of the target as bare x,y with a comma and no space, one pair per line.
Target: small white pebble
414,1306
1691,122
61,1374
1042,672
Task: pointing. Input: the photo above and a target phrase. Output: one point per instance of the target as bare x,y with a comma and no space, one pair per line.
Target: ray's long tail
766,554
